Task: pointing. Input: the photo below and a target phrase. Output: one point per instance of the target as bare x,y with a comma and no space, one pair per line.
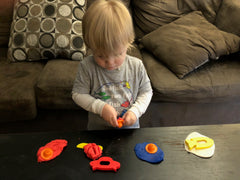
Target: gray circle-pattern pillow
47,29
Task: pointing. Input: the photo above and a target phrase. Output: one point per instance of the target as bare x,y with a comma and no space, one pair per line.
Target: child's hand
109,114
129,118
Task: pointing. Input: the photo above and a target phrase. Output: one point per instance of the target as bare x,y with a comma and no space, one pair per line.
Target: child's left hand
129,118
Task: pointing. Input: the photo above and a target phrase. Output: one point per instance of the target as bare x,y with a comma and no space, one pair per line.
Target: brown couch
194,80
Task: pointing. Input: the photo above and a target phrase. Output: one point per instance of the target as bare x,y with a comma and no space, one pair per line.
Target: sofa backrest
148,15
6,13
228,16
209,8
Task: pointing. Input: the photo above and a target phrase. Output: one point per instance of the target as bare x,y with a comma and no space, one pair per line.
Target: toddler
110,83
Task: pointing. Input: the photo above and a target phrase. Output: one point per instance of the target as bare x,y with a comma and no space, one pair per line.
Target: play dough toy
93,151
51,150
81,145
46,153
105,164
151,148
149,152
120,122
199,145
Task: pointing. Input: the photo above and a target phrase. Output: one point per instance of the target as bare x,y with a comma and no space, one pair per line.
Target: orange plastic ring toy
151,148
47,153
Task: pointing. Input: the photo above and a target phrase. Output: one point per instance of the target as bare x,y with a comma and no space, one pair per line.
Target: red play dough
105,164
93,151
56,146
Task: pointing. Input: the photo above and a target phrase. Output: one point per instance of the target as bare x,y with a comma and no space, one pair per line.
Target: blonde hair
107,25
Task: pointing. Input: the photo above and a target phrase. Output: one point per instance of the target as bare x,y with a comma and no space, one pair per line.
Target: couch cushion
218,81
6,11
209,8
55,84
228,16
17,95
148,15
189,42
46,30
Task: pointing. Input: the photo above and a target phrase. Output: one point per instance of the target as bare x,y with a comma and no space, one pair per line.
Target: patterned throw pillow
47,29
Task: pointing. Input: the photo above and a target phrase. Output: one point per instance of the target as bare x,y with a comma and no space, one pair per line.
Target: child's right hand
109,114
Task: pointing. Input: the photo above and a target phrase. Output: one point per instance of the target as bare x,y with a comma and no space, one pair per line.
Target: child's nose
110,60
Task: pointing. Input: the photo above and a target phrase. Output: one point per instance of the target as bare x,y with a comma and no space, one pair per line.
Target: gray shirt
119,88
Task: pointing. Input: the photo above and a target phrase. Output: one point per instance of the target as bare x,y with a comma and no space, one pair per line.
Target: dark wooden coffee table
18,154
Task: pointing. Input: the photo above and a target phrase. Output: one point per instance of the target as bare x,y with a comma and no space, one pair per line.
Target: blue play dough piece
142,154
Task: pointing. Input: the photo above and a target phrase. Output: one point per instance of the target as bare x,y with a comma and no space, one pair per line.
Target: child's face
111,61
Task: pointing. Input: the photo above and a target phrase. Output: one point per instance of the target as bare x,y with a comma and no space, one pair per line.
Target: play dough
120,122
105,164
93,151
81,145
199,145
149,152
51,150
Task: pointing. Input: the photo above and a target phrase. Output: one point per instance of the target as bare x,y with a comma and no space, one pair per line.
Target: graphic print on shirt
116,94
